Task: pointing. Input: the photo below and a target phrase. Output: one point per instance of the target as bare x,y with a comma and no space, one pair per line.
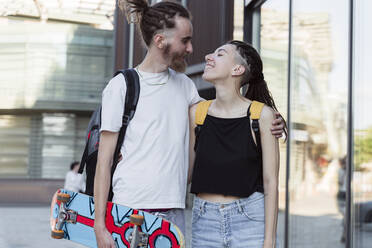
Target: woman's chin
206,77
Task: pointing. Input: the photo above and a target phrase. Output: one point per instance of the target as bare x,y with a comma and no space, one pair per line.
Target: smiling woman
234,158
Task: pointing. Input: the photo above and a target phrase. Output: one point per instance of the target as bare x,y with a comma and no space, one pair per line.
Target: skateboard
72,218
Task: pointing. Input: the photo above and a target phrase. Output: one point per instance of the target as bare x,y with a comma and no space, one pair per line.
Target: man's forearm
102,178
101,191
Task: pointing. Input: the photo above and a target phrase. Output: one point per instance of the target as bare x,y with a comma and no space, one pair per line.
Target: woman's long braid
257,86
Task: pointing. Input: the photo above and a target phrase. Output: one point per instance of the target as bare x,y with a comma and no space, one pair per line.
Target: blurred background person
73,180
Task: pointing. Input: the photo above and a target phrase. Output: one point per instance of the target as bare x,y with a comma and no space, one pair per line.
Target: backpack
255,110
89,158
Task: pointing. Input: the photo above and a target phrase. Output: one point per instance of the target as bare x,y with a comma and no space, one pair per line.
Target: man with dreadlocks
153,172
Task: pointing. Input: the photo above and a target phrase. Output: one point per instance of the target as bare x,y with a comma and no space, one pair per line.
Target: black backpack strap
84,158
131,100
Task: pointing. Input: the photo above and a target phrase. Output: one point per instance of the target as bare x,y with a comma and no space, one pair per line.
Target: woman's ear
238,70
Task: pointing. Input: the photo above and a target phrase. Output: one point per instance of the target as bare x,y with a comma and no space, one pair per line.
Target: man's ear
238,70
159,41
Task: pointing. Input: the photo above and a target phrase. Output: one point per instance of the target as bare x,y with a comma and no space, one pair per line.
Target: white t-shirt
74,182
153,172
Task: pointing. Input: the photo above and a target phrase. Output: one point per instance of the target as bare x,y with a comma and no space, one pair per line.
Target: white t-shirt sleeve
113,97
193,94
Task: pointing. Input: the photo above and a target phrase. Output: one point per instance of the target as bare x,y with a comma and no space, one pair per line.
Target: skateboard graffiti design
72,218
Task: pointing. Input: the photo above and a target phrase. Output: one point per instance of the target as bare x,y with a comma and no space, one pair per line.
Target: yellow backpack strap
256,109
201,111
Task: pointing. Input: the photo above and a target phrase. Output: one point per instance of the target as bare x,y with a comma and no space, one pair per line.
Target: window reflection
274,53
319,112
362,123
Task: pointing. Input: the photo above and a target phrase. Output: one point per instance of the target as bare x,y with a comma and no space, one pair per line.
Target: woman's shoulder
267,114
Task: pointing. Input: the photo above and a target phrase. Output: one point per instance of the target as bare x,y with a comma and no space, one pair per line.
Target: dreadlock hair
254,77
152,19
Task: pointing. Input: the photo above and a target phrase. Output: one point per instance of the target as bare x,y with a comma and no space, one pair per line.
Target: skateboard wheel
58,234
62,197
136,219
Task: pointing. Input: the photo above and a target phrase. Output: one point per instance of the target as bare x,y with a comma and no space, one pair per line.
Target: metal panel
350,134
213,26
14,142
35,147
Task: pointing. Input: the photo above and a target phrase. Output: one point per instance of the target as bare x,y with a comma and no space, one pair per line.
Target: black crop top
227,160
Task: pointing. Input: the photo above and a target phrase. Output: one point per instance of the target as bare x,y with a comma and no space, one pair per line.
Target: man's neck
153,62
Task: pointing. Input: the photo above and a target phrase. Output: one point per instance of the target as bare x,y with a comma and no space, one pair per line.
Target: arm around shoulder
192,125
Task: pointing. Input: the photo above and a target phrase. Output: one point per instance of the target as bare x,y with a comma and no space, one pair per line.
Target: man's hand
103,237
277,128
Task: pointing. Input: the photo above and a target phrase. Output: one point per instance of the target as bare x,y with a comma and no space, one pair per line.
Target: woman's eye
219,55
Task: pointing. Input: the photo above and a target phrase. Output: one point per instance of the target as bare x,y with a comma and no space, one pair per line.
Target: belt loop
239,206
203,206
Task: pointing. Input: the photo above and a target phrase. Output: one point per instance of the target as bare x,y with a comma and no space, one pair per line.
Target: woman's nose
208,57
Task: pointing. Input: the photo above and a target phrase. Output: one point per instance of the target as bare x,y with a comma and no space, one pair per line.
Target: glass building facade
55,59
315,57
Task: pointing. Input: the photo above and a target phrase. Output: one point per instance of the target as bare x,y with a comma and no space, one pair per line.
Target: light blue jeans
240,223
176,216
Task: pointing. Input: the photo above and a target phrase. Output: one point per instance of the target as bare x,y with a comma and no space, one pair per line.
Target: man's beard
178,62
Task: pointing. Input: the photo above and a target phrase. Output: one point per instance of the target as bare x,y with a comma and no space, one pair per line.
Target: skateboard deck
72,218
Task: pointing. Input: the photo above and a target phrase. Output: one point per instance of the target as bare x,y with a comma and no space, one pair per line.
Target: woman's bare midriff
216,198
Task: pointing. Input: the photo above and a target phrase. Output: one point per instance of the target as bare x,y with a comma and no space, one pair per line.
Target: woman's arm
192,126
270,162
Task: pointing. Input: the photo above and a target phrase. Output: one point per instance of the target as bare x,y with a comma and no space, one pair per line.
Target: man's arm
277,128
192,125
102,181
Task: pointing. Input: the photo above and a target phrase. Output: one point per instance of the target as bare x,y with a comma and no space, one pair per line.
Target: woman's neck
228,98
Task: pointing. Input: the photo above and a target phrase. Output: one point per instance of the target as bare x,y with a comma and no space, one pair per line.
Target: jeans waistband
203,204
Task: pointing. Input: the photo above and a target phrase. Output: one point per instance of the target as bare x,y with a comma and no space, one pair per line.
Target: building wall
52,75
53,66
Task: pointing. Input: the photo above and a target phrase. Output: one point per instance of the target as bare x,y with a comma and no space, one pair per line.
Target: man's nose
189,48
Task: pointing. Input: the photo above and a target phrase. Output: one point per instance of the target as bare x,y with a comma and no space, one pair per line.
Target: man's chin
179,66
